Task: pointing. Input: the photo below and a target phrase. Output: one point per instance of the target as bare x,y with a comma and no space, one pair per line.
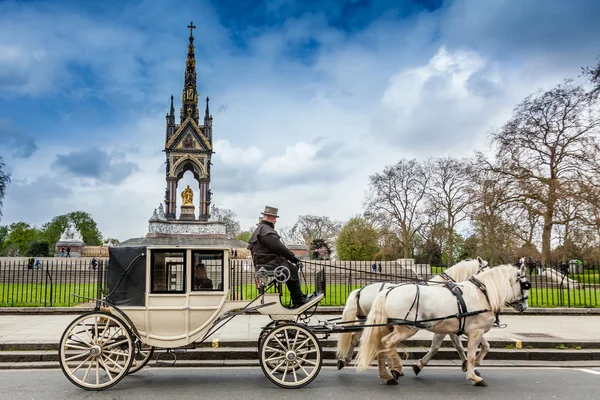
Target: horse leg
474,339
436,343
383,372
391,342
485,349
345,360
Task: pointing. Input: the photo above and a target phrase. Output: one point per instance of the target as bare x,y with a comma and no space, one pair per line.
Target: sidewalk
47,329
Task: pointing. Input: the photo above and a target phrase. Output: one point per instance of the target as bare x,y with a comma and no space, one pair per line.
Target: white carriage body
178,318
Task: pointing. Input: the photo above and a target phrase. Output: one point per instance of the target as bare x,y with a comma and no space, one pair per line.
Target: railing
49,283
53,281
550,288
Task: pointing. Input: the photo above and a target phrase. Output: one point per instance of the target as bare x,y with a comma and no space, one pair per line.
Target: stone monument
188,148
70,243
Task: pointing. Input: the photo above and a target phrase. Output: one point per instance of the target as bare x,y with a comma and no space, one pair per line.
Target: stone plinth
187,213
198,229
76,249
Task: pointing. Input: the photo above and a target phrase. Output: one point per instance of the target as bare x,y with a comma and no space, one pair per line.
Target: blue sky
309,98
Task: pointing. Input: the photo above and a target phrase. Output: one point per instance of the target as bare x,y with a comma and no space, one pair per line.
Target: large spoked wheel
96,351
290,356
143,354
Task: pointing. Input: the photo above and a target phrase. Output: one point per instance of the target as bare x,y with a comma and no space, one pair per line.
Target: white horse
359,304
436,308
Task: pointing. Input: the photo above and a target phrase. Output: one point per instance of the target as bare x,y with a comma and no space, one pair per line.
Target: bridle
524,285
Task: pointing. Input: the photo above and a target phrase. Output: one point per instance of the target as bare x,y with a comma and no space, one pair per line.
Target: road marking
589,371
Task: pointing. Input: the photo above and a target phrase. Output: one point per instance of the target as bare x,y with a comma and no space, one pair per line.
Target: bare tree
448,192
289,236
395,200
548,142
491,202
232,225
593,74
320,228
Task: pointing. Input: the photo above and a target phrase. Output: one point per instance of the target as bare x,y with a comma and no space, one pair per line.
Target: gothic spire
206,113
189,98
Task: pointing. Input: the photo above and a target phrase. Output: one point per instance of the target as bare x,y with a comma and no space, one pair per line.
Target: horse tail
371,338
345,339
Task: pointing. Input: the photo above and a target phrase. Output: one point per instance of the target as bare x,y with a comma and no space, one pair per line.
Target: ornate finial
189,107
191,26
206,113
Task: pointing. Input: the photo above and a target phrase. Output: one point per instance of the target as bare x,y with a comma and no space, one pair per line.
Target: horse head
520,288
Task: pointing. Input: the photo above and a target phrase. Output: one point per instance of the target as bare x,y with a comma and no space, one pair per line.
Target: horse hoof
477,372
397,374
464,366
481,383
416,369
340,364
391,382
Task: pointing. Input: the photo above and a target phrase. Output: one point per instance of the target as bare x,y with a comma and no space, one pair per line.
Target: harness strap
359,312
460,304
447,277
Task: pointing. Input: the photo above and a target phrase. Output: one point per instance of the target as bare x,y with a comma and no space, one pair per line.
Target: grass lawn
336,295
33,295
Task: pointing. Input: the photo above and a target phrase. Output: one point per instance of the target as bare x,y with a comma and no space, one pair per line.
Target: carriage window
207,270
168,271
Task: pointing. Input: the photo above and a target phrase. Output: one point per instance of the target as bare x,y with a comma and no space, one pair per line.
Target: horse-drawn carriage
177,296
153,301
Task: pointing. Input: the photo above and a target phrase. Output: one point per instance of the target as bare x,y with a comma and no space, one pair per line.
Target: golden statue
187,196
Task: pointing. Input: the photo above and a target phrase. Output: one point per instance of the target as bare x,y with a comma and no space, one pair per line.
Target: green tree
20,236
4,181
357,241
244,236
52,230
3,236
38,248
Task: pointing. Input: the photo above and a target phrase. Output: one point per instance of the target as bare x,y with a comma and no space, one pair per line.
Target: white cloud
296,135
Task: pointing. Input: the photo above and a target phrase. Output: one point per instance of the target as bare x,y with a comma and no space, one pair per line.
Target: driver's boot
298,298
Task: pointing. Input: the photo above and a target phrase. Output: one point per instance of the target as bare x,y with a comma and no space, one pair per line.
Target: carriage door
167,300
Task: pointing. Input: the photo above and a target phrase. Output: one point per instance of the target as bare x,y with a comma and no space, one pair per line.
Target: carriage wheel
96,351
290,356
273,364
143,354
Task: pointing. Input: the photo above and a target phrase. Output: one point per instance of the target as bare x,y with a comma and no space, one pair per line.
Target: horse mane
463,270
499,284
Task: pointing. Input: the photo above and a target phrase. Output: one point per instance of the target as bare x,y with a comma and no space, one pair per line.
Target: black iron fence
566,286
52,282
49,283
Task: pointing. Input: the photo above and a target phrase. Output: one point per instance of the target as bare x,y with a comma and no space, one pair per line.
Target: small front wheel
290,356
96,351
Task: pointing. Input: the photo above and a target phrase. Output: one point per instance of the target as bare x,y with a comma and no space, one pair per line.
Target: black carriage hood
131,290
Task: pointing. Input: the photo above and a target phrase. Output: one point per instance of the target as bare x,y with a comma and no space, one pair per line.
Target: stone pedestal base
187,213
76,249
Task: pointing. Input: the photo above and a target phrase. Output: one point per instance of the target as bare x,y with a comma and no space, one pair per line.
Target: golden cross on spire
191,26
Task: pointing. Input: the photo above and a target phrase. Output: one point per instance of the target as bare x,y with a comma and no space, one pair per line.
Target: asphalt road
250,384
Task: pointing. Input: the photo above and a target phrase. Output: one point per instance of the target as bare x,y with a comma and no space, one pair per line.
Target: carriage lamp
262,278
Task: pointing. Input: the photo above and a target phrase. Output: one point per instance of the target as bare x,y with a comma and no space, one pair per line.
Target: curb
226,345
